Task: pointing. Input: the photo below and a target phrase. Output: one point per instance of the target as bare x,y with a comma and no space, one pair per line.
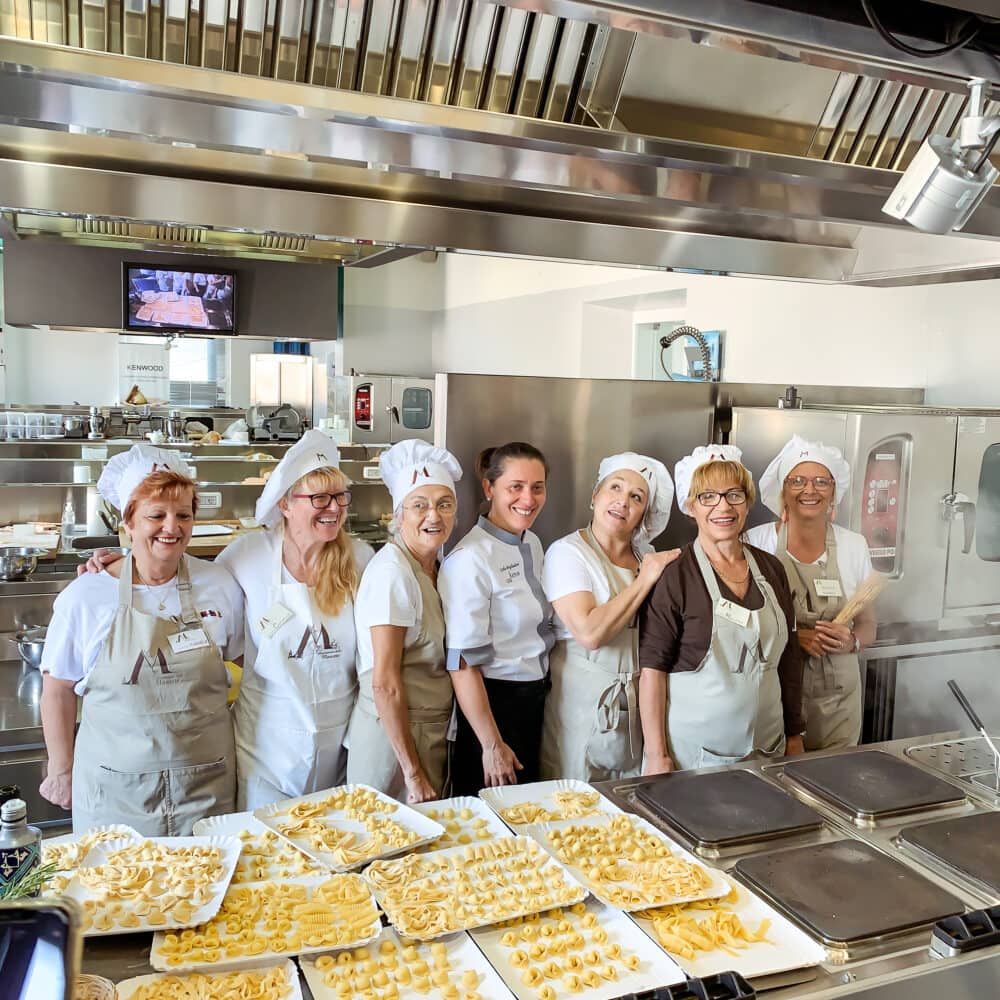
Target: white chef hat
661,489
124,472
702,455
410,464
314,450
795,452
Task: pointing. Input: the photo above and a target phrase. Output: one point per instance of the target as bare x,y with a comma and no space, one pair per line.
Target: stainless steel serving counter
908,972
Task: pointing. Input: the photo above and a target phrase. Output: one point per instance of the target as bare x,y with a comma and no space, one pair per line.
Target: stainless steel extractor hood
731,137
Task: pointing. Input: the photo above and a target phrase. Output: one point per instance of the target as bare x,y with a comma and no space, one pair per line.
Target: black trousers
517,708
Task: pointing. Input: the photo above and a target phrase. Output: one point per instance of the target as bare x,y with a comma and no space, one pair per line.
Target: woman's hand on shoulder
654,563
100,559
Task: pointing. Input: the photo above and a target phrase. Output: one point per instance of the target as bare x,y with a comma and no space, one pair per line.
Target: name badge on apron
272,619
732,612
828,588
192,638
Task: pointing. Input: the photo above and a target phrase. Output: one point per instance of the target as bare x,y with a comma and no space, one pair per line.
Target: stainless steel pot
72,424
18,562
30,643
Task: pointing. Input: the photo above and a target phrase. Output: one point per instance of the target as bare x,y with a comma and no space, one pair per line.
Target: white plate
462,955
426,830
81,848
234,824
203,530
546,866
480,811
541,793
158,959
656,968
717,887
101,853
129,987
787,947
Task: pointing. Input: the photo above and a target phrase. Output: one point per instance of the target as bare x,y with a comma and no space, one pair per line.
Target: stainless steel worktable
907,973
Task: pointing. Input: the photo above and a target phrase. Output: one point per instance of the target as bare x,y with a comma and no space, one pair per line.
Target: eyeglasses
798,483
320,501
712,498
422,507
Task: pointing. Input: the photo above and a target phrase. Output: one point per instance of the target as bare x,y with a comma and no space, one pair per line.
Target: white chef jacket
83,614
389,595
250,559
570,569
496,614
853,557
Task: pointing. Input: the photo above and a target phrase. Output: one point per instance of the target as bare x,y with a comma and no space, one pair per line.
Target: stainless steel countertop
20,716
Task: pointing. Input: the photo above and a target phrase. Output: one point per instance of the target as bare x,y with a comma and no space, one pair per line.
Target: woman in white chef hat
597,579
399,731
826,564
299,677
720,681
143,643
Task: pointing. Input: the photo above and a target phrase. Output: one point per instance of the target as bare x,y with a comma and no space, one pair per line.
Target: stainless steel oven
384,409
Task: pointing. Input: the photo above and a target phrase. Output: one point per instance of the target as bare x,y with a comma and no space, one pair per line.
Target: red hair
164,484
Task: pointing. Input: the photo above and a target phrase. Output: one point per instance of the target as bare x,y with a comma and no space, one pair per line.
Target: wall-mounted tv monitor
195,301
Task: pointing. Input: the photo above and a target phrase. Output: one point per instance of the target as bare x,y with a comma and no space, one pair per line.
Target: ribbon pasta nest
626,864
280,918
270,984
568,805
429,895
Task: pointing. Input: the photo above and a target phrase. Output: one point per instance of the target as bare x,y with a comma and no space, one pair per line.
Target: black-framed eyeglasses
798,483
321,501
712,498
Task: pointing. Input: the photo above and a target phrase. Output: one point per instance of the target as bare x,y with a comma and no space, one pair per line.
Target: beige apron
591,728
155,747
371,759
729,709
831,684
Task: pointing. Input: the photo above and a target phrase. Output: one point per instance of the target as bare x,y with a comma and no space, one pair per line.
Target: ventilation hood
734,137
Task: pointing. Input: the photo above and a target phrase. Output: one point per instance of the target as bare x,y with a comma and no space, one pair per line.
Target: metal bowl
18,562
73,423
30,643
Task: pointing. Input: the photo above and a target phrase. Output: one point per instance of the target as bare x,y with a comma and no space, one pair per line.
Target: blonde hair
335,575
163,484
721,475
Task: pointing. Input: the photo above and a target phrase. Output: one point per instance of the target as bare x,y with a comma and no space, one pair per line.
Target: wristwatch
857,642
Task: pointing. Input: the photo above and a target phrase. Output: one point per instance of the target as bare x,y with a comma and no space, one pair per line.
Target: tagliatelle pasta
270,984
569,804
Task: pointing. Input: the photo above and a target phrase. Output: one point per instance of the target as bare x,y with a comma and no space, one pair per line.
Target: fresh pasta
462,825
428,895
266,856
269,984
568,804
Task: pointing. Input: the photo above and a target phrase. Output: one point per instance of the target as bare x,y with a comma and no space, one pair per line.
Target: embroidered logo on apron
157,660
321,641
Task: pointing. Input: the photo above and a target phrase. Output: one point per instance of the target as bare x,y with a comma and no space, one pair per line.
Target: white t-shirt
389,595
571,567
496,614
853,557
250,559
83,613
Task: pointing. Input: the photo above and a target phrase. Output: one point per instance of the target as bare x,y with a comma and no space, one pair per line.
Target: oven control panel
363,407
883,500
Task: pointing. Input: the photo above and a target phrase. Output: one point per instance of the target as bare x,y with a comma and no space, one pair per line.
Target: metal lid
13,811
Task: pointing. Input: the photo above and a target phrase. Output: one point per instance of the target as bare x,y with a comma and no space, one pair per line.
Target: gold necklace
743,579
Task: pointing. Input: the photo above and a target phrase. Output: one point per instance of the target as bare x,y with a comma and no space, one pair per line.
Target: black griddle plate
871,784
969,844
726,807
847,893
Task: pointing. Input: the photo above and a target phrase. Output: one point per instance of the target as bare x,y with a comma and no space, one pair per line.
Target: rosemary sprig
31,883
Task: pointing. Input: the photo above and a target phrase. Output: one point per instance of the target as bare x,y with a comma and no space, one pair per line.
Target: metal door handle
958,505
395,413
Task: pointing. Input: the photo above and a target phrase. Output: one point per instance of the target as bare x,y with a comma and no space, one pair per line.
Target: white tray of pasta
588,949
394,968
626,862
272,982
130,886
466,820
69,850
266,856
546,802
271,921
344,828
738,932
428,895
